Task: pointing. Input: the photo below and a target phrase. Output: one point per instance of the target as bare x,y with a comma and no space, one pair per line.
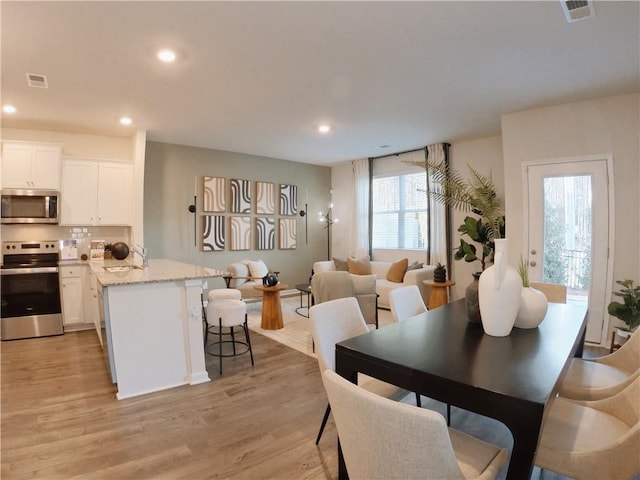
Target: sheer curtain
438,231
360,239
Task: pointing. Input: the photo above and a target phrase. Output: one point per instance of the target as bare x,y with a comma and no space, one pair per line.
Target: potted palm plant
475,194
629,310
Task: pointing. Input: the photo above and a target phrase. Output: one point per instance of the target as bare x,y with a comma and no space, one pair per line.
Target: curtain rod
406,151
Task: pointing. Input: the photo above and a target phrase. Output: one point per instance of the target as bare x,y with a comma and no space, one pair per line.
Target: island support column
193,333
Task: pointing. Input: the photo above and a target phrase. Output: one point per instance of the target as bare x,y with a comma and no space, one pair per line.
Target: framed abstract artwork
265,198
240,195
240,233
288,200
265,233
287,233
213,233
213,194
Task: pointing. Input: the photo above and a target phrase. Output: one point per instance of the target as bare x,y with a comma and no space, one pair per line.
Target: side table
304,288
271,308
439,293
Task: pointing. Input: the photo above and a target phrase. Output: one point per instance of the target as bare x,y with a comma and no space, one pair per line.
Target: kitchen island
153,323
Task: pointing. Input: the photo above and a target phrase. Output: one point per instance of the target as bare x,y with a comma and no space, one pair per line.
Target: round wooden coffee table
439,293
271,308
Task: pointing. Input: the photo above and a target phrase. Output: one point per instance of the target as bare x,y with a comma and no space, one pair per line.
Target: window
400,212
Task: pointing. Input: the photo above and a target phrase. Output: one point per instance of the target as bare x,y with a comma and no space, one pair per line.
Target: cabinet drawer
69,271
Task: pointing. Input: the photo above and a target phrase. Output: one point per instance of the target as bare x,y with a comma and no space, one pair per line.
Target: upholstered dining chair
602,377
406,302
593,439
332,322
383,439
554,292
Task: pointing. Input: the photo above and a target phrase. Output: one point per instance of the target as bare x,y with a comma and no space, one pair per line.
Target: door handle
532,263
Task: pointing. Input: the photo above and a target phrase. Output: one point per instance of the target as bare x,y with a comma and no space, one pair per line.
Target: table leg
271,311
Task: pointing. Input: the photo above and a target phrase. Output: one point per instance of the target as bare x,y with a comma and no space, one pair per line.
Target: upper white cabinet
96,193
31,165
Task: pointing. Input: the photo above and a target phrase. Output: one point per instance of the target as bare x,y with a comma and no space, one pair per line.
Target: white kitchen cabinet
96,193
72,297
28,165
90,300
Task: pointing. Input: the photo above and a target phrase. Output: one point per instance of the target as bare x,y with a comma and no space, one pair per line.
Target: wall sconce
303,214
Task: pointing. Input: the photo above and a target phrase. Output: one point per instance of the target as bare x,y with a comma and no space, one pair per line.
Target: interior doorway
570,232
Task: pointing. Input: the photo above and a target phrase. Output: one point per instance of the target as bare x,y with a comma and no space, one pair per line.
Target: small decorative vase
499,293
471,300
533,308
270,280
440,274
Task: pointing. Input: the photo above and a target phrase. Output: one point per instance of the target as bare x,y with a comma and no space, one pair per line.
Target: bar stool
213,295
230,313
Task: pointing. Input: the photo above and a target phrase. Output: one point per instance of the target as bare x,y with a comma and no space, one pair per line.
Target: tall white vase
499,294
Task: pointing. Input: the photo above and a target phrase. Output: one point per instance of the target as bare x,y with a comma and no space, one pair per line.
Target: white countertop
159,270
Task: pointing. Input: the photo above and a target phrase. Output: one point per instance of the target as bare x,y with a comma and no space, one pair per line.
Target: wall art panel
288,200
240,233
265,198
240,196
265,233
213,233
213,194
288,233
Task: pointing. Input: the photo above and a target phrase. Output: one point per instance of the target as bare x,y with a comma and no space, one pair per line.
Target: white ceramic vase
533,308
499,293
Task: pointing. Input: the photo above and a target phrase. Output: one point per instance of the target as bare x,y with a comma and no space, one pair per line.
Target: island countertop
126,272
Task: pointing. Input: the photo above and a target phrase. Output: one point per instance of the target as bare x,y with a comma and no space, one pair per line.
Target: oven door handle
27,271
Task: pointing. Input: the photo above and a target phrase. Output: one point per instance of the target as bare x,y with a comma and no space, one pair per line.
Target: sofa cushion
359,267
397,270
341,264
238,270
415,266
257,269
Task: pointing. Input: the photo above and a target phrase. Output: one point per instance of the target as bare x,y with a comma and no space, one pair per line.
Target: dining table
442,355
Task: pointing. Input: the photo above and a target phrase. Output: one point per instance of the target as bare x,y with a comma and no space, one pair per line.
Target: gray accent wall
169,185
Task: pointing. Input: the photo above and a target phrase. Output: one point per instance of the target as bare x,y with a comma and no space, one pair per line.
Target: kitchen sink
121,268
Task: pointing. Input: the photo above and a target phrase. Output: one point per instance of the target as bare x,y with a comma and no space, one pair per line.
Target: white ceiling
258,77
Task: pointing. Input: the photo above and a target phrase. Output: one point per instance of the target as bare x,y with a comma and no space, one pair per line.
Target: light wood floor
60,418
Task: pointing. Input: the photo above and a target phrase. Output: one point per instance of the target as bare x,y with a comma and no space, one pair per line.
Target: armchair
245,275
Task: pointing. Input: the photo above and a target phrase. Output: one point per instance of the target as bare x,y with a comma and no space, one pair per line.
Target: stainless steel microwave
30,206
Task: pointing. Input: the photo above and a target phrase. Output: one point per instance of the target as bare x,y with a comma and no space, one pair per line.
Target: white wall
608,125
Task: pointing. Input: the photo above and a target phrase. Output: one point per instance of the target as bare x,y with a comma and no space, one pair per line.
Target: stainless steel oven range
30,290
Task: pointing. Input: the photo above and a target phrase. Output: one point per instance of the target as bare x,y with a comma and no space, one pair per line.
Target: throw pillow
341,264
257,269
415,266
359,267
397,270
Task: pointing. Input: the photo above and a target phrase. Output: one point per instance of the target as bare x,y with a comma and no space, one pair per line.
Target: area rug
296,333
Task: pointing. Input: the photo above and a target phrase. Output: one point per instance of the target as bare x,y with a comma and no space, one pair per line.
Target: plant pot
471,300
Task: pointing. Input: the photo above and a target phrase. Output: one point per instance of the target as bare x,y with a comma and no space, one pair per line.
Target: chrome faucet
143,253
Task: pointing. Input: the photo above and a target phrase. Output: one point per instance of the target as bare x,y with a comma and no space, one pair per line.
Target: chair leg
448,415
246,334
220,342
324,422
233,341
418,401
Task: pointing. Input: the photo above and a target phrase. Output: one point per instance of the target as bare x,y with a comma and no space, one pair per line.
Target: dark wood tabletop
444,356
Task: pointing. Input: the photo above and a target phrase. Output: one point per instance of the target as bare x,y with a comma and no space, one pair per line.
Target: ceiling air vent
36,81
577,10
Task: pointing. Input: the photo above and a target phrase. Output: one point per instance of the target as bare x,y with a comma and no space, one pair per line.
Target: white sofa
384,286
245,275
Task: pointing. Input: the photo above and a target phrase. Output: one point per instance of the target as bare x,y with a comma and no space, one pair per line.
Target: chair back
406,302
384,439
331,323
554,292
627,357
331,285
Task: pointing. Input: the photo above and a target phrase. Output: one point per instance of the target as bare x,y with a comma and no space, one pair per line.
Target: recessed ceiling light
9,109
324,128
126,121
166,55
